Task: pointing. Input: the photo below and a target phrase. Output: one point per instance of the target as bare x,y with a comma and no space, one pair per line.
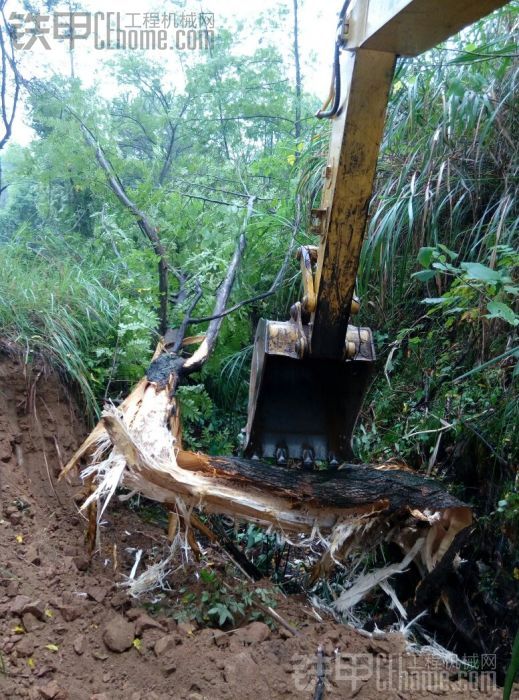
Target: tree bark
358,506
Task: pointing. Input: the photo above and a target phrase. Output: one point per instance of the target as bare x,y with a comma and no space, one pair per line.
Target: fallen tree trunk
136,446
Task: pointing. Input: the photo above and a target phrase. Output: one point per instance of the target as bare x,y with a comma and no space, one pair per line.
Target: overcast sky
317,31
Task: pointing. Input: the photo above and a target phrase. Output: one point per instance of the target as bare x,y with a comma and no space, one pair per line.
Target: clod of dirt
97,593
240,671
253,633
33,555
25,646
12,589
31,622
15,518
187,627
164,644
118,634
79,644
52,691
23,604
70,612
82,562
145,622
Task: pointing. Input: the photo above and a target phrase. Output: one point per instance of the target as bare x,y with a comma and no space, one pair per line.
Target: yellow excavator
309,374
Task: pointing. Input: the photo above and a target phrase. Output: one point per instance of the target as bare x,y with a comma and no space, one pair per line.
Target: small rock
99,656
120,600
70,612
253,633
18,604
23,604
82,562
97,593
145,622
25,646
15,519
99,696
33,555
133,613
164,644
221,639
118,634
12,588
52,691
31,622
169,667
187,627
378,648
79,644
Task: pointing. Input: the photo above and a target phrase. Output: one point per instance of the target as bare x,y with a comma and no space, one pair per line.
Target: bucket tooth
333,461
281,456
308,458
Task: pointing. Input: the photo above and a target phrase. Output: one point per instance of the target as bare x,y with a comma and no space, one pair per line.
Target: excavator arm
309,374
372,35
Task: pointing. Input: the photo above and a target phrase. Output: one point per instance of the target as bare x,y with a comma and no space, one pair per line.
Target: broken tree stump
136,446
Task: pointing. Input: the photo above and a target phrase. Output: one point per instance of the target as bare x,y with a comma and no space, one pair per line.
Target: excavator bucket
300,407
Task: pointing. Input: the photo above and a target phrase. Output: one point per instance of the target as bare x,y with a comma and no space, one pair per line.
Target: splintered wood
136,446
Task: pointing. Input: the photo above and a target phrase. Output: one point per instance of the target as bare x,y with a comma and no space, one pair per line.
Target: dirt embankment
68,631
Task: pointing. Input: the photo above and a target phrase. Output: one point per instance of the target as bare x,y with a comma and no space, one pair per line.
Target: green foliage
513,670
216,604
477,291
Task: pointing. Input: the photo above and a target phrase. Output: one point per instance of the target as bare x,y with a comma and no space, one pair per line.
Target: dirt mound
69,632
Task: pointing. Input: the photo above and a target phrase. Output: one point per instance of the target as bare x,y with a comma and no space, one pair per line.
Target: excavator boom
309,374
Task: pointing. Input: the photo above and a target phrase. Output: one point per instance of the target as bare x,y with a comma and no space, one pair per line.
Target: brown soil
61,616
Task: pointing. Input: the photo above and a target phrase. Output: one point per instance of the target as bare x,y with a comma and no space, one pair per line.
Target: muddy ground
68,630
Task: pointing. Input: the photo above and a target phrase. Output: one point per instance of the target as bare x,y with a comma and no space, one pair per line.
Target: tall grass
448,168
54,307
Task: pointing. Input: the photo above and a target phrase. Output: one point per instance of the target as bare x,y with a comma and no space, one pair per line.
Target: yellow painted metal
355,140
409,27
309,296
375,32
308,379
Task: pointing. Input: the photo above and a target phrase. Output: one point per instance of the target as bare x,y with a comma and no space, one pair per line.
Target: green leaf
223,613
477,271
424,275
452,255
499,310
425,256
444,266
437,300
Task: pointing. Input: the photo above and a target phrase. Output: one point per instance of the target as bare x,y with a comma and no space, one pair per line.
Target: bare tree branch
200,356
10,81
143,222
181,331
275,284
207,199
